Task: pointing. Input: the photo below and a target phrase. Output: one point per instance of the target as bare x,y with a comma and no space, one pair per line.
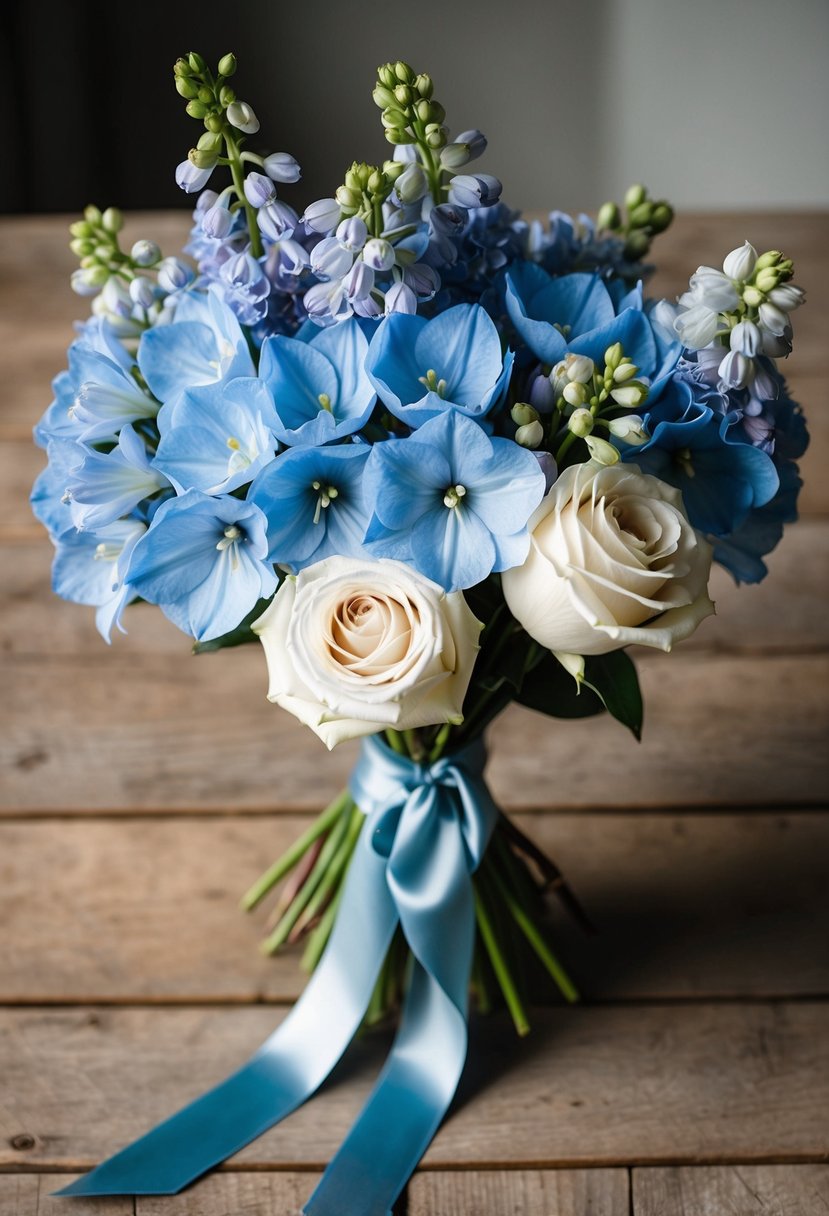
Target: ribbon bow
426,831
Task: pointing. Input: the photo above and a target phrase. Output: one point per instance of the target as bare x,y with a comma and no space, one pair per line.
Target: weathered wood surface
602,1085
736,1190
718,905
31,1195
520,1193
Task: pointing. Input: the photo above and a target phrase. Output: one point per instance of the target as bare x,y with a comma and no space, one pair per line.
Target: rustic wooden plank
784,612
175,733
592,1086
31,1195
685,906
235,1194
519,1193
740,1190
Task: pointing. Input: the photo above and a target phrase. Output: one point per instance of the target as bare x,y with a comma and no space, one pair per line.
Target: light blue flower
203,561
452,501
245,287
107,395
217,437
319,386
91,567
49,500
422,369
108,485
203,344
315,503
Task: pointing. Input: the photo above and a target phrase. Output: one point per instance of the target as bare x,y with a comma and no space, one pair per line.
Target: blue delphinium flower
204,343
452,501
217,437
245,286
315,503
318,383
90,568
49,500
108,485
107,395
204,562
425,368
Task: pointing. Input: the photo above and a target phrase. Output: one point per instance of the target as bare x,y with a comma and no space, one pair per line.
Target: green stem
441,739
395,742
318,940
566,443
238,174
499,963
290,858
334,873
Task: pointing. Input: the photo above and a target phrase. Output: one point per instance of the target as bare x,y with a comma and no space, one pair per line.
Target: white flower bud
145,253
629,395
740,262
379,254
580,423
746,339
735,370
630,429
241,116
574,393
773,319
530,436
787,296
601,451
579,368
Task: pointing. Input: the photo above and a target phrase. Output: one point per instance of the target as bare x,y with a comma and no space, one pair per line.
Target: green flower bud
205,95
523,414
101,252
202,158
601,451
436,138
376,182
185,87
640,217
226,96
80,247
355,180
608,217
752,297
394,119
403,72
770,258
96,276
613,355
88,260
574,393
196,109
383,97
785,270
530,436
209,141
423,85
630,395
580,423
197,63
634,196
92,215
112,220
766,280
81,228
227,64
624,372
386,76
349,200
636,245
393,168
436,112
404,95
662,216
181,67
395,136
214,122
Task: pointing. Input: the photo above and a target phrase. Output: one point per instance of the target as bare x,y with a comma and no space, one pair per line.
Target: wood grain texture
31,1195
120,911
226,1194
600,1086
519,1193
735,1190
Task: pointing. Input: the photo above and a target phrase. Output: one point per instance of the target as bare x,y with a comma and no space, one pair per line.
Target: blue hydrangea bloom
422,368
452,501
743,550
318,383
217,437
91,567
108,485
204,344
315,504
204,562
578,314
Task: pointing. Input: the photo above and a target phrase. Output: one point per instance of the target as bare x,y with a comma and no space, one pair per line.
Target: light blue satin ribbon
426,832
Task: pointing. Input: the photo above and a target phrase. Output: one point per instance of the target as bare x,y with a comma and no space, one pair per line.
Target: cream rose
613,561
354,647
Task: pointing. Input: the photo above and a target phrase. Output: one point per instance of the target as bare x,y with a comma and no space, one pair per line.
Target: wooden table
143,789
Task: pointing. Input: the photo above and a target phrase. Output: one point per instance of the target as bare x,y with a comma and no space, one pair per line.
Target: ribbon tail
287,1068
411,1097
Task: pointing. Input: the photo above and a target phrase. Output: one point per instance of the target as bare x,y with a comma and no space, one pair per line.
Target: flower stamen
453,496
325,496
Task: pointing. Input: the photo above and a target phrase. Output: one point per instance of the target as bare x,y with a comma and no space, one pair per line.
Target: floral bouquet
436,459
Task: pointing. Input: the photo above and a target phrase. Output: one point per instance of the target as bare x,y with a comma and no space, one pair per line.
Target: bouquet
435,458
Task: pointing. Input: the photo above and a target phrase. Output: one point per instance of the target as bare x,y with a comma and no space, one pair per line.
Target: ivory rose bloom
356,646
613,561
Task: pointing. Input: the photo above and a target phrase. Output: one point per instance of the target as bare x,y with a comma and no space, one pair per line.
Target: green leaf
613,678
551,690
237,637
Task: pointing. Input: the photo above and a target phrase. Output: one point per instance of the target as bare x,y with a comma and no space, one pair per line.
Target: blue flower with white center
452,501
107,396
577,314
203,344
422,369
315,503
319,385
204,562
91,567
217,437
108,485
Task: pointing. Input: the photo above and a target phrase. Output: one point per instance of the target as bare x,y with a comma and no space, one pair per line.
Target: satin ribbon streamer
426,832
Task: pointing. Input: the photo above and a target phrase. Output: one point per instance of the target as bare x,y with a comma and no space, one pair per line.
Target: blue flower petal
452,546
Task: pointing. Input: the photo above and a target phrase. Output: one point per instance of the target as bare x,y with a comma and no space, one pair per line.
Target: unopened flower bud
613,355
349,200
436,138
634,196
454,156
395,136
394,119
735,370
523,414
81,248
259,190
216,221
322,216
201,159
81,229
624,372
662,216
423,85
226,95
766,280
214,123
548,466
400,298
774,319
746,338
241,116
403,95
787,296
574,393
752,296
92,215
403,72
142,292
579,368
378,254
630,395
411,185
630,429
185,87
196,109
770,258
608,217
384,98
637,244
197,63
352,233
531,435
173,275
580,423
209,141
90,281
145,253
227,64
740,263
601,451
640,217
281,167
542,395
